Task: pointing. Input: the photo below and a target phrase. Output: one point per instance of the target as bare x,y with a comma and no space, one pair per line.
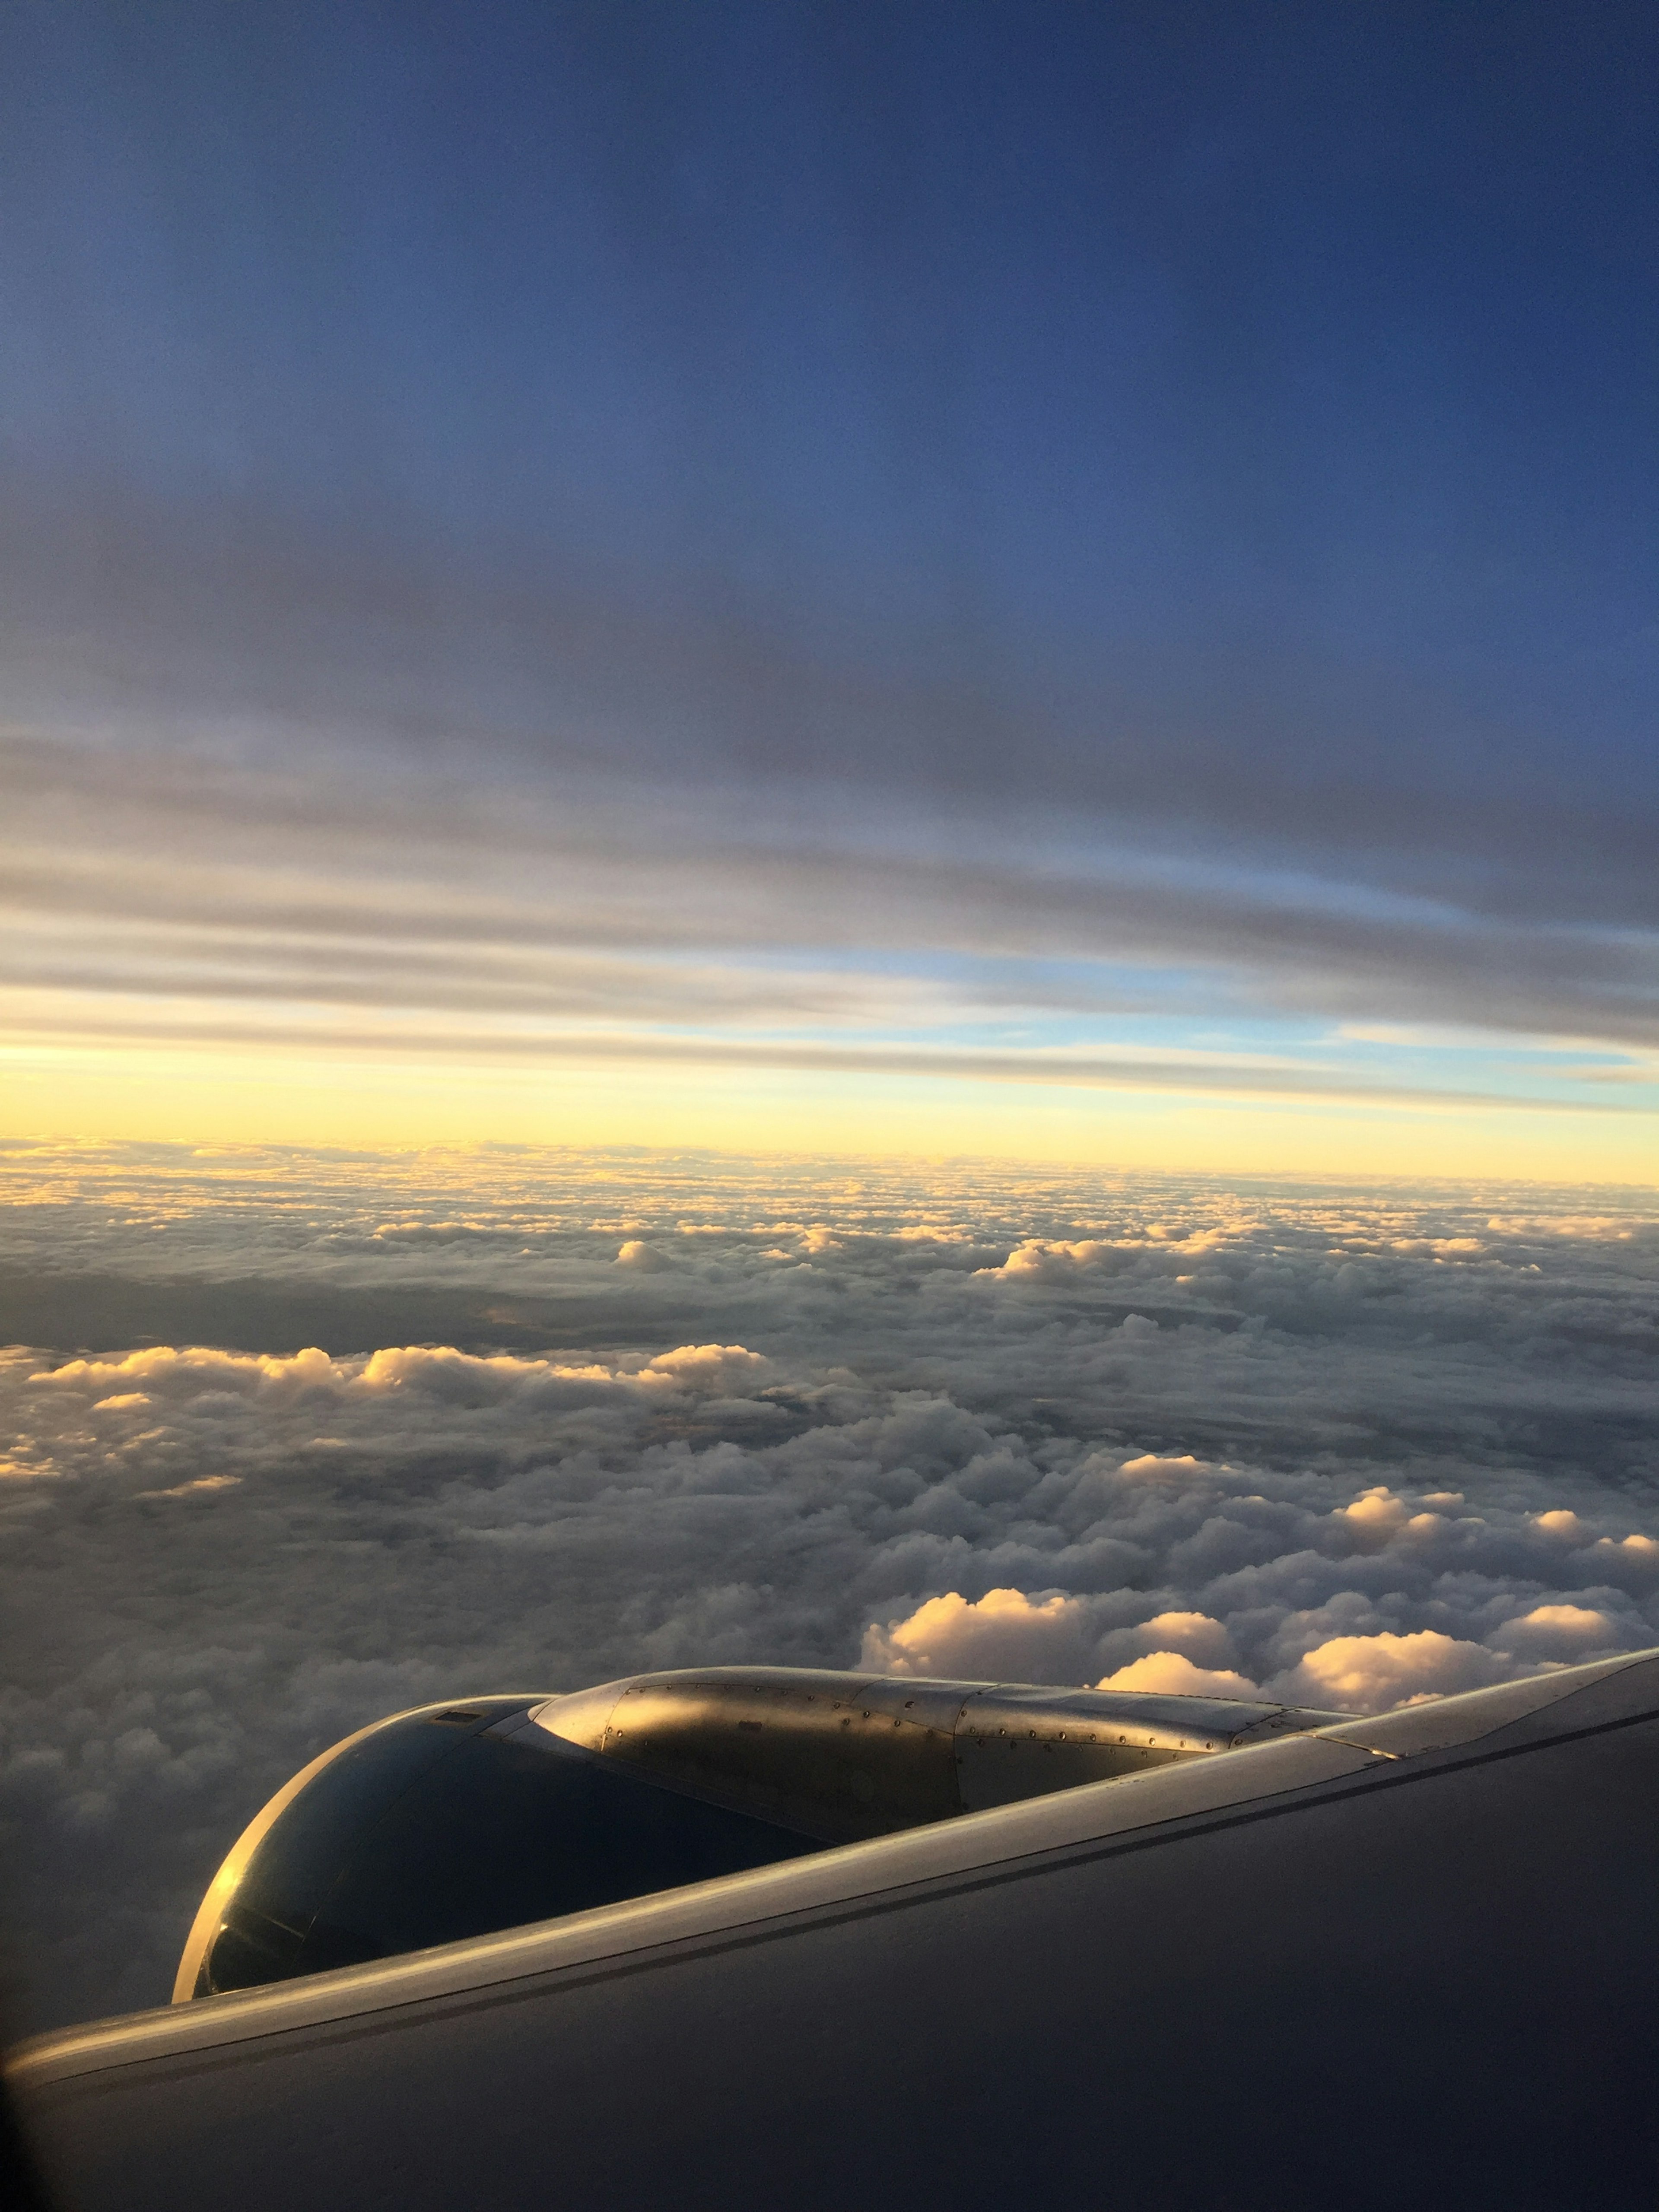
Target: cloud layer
334,906
299,1439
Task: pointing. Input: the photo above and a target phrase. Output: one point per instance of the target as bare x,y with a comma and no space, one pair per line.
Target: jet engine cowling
457,1820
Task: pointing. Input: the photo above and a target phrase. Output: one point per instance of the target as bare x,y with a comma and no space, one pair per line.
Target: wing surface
1407,1961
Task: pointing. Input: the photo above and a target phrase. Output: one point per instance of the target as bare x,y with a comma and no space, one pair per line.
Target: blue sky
1133,522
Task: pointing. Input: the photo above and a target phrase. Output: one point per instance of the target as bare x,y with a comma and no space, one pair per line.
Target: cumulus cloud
1173,1672
1377,1518
636,1252
183,1373
1195,1636
290,1441
722,1369
1373,1519
1633,1550
1003,1636
1035,1261
1558,1631
1155,1467
1561,1522
209,1379
1374,1674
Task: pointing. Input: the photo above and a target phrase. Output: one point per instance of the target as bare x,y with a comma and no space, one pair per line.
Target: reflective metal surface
850,1756
818,1751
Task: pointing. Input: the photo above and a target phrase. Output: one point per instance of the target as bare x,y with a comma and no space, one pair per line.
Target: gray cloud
1356,1446
194,879
523,665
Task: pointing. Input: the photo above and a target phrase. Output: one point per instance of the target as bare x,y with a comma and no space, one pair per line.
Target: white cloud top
1003,1636
1173,1673
1374,1674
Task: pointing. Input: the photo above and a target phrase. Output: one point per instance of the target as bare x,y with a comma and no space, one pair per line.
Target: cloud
1003,1636
1374,1674
210,1380
323,905
1561,1522
202,1483
270,1472
1151,1467
1633,1550
646,1257
1194,1635
1377,1517
1558,1631
721,1370
1173,1673
1052,1263
188,1372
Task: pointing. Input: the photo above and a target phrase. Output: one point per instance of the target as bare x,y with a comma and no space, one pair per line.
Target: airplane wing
1409,1961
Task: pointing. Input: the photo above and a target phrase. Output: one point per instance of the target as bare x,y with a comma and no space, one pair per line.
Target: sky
827,837
289,1440
1031,582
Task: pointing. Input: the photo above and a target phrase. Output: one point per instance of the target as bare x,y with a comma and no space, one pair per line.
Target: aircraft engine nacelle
457,1820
